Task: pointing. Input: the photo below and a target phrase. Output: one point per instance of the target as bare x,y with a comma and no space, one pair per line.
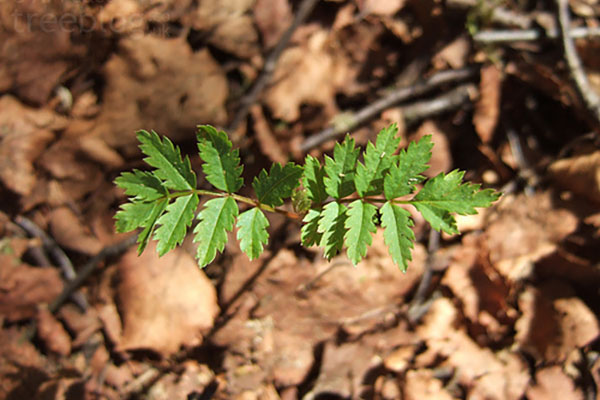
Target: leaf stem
236,197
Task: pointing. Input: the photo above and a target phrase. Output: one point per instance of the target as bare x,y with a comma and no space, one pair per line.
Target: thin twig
397,96
270,63
57,253
438,105
582,85
89,267
528,35
84,273
420,296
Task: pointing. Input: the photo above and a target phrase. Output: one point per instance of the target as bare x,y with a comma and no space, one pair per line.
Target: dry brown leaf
553,384
381,7
487,108
122,16
52,333
310,73
580,174
480,289
191,377
421,384
36,50
454,54
344,17
83,325
165,302
441,159
554,322
343,369
23,287
160,84
24,135
230,27
236,36
487,374
21,366
287,321
272,17
399,359
97,149
527,229
69,232
268,143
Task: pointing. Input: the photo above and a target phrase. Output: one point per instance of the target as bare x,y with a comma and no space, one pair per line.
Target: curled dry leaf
34,61
193,378
307,74
441,158
527,229
580,174
480,289
164,302
21,366
553,384
229,25
24,135
52,333
343,369
554,322
272,17
269,145
381,7
488,375
421,384
160,84
23,287
487,109
69,232
453,55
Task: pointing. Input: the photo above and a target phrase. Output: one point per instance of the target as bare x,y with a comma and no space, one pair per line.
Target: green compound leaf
404,175
445,194
216,219
332,227
339,181
313,180
359,227
135,215
174,223
278,184
221,163
252,232
397,234
309,233
141,185
176,173
377,160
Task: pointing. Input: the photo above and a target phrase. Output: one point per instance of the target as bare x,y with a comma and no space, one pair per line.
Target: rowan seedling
341,202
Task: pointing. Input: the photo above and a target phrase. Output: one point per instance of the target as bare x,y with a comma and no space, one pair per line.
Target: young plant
341,202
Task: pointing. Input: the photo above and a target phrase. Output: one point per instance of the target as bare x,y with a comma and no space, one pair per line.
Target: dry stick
265,75
582,85
375,108
526,35
57,253
89,267
84,273
416,311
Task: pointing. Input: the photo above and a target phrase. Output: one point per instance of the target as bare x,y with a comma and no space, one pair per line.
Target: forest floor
511,309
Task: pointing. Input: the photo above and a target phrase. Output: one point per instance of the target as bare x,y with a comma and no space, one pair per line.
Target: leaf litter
512,309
